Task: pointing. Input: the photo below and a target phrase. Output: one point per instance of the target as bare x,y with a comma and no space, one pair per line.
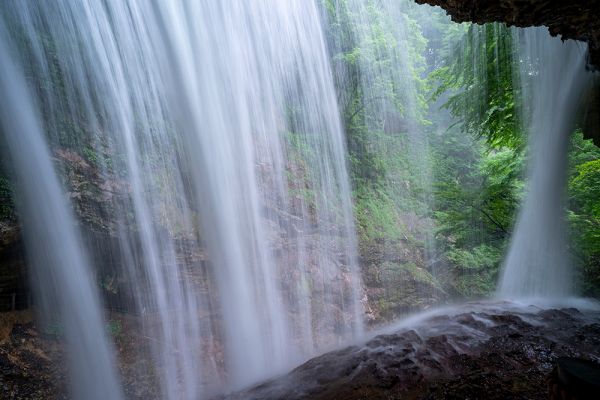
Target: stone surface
13,272
487,350
591,113
31,364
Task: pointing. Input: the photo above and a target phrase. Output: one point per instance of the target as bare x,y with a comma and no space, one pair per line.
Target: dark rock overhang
571,19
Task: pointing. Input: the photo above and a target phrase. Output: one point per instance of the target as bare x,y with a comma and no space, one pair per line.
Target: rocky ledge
484,350
572,19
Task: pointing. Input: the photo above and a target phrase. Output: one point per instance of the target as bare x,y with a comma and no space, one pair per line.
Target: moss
408,272
114,327
90,155
377,217
403,288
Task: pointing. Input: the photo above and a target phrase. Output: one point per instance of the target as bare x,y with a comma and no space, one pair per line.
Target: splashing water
553,79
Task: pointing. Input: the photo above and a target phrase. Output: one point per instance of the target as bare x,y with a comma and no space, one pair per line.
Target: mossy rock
405,287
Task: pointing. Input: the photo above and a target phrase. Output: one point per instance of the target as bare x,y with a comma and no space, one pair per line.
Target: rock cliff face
13,278
395,279
572,19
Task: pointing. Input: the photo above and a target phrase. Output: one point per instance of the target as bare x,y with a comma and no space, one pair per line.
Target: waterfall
553,79
206,137
381,86
60,266
182,168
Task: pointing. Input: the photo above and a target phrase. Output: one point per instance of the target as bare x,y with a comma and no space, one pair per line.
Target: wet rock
31,367
13,271
491,351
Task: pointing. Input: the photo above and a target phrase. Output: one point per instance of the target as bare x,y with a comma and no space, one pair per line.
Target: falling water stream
62,272
553,76
214,127
387,133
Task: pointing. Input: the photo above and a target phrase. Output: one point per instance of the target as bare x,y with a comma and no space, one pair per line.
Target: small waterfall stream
553,78
63,274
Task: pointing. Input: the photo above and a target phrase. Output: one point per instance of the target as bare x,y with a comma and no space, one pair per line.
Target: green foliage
585,189
478,160
478,258
476,269
477,164
367,52
478,187
476,193
480,80
376,215
90,154
419,274
584,211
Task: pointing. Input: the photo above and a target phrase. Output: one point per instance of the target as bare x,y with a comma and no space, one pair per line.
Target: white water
553,77
217,126
384,61
60,267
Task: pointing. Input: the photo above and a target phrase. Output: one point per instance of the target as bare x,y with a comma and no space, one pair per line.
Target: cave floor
485,350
